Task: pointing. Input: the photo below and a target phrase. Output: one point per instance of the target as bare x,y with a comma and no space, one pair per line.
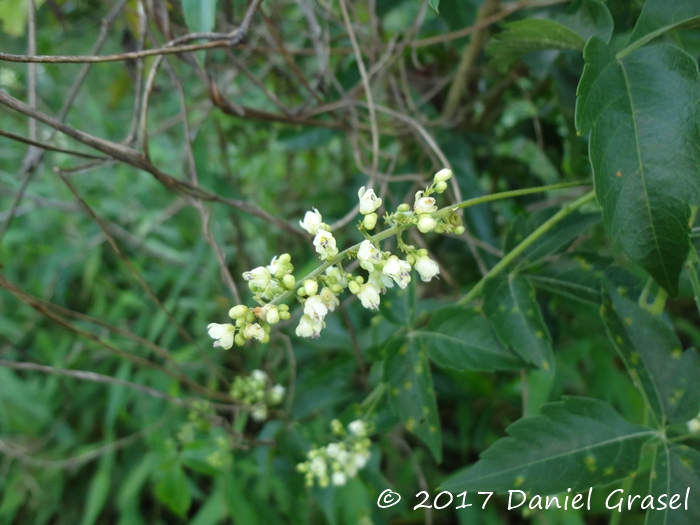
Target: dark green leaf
660,16
407,371
642,113
532,34
511,306
592,19
98,491
172,490
200,15
676,470
576,443
398,305
576,277
668,377
463,339
555,240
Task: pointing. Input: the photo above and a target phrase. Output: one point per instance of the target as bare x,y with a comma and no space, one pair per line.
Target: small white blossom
334,273
369,202
308,327
333,450
325,244
275,266
424,204
259,376
277,394
258,277
339,479
223,333
398,270
254,331
368,255
259,413
358,428
369,295
380,281
312,220
426,268
318,466
330,300
315,308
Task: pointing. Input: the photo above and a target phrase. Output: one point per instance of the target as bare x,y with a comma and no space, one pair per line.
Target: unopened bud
443,175
370,221
403,207
441,187
238,311
273,315
310,287
239,339
354,287
426,223
459,230
289,281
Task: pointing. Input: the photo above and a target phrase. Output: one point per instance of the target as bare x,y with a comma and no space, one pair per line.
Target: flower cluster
256,393
339,461
318,293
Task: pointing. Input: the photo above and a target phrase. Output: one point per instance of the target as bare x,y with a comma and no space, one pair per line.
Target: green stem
395,230
527,242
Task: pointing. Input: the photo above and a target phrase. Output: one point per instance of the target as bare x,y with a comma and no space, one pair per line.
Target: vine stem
528,241
395,230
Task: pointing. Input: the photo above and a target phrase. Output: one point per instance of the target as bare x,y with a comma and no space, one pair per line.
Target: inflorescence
319,294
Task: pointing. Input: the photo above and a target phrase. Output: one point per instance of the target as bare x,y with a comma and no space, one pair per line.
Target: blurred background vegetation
112,266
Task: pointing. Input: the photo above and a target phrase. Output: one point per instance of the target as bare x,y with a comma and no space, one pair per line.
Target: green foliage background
562,321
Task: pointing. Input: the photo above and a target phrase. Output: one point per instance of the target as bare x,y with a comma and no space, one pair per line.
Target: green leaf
200,15
213,510
642,113
666,376
98,491
435,4
407,371
576,277
676,470
511,306
591,19
555,240
576,443
661,16
172,490
532,34
463,339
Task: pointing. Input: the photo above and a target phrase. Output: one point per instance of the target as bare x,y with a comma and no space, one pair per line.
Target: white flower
369,295
427,268
368,255
369,202
694,425
424,204
259,413
325,244
223,333
312,220
334,274
259,277
426,223
380,281
333,450
276,267
357,427
258,376
314,308
360,459
308,327
277,394
318,466
339,479
330,300
254,331
398,270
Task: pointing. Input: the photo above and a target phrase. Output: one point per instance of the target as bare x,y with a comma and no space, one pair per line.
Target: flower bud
370,221
354,287
403,207
426,223
422,252
265,339
238,311
459,230
336,288
441,187
273,316
240,322
250,317
289,281
310,287
443,175
411,259
239,339
285,258
284,316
